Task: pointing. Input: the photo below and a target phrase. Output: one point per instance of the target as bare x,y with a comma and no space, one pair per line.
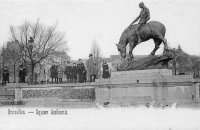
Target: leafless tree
12,58
96,52
95,49
37,42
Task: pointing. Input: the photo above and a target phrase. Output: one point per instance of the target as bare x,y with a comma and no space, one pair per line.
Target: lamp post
30,49
30,45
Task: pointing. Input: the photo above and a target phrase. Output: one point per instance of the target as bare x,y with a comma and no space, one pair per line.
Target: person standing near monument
95,71
56,68
84,75
53,72
105,70
74,73
68,72
22,74
80,71
60,73
5,75
90,66
143,18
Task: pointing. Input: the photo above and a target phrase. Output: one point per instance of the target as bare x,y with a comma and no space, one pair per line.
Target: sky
84,21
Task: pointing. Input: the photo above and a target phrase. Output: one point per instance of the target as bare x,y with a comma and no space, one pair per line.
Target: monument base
145,86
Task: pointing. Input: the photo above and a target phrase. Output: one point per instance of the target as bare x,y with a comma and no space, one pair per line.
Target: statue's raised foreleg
157,44
132,46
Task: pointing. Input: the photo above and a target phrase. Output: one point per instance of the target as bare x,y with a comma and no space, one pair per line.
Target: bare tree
96,52
95,49
37,42
13,57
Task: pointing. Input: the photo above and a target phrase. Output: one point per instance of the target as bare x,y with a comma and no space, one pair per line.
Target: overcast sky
104,21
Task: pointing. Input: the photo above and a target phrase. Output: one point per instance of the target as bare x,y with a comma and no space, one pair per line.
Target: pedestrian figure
74,72
105,70
90,67
56,72
53,72
22,74
5,75
80,70
68,72
95,72
84,75
60,73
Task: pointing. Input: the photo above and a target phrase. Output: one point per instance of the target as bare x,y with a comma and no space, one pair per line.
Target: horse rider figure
144,17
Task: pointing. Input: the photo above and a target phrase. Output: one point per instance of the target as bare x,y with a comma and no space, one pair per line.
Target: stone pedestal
144,86
18,95
102,94
17,87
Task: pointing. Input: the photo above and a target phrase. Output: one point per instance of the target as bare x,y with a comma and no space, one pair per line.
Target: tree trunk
32,74
13,58
14,73
194,74
174,67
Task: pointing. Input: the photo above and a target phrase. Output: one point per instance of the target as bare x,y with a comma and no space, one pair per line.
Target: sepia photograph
99,64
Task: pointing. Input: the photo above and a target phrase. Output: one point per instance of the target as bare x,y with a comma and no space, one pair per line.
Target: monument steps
137,75
149,76
142,72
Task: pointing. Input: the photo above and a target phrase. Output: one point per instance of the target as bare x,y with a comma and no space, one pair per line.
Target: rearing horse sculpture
152,30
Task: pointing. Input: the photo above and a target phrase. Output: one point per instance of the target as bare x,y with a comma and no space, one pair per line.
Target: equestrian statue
141,32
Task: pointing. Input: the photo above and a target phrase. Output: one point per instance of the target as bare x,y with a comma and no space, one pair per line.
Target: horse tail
163,30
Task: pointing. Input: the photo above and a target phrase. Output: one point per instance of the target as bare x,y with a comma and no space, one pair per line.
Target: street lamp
30,49
30,42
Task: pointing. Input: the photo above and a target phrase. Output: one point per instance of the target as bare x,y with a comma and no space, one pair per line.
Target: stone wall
144,93
197,90
60,93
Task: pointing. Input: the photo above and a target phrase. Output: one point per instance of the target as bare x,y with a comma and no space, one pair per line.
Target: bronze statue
142,32
152,30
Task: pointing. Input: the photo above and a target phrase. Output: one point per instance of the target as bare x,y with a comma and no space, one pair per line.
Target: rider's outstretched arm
136,19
